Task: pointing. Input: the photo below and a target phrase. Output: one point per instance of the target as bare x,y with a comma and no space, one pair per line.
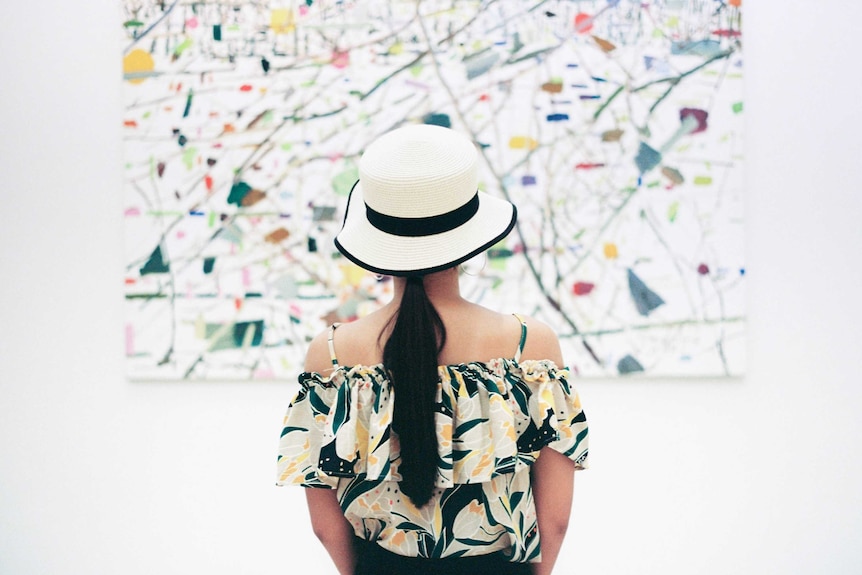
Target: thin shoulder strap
331,343
523,337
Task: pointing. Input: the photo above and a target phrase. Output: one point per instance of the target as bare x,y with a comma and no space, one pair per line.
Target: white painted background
761,475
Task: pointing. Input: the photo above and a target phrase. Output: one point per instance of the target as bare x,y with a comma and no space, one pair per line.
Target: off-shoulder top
493,418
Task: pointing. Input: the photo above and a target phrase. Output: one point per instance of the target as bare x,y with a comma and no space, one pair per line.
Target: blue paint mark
560,102
528,180
196,213
558,117
645,299
704,48
437,120
647,158
571,65
629,364
590,97
579,86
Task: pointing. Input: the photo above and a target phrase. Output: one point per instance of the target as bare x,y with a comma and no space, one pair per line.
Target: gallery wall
98,475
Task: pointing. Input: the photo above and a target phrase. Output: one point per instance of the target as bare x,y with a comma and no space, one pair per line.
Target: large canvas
615,126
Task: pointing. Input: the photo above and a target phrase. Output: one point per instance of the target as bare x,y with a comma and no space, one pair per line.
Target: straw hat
416,208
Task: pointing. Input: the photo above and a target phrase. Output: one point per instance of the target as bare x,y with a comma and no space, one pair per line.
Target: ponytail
410,357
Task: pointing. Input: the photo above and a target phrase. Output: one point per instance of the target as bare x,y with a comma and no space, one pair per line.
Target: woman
443,436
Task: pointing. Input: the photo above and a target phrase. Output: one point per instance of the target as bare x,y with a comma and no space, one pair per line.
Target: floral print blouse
492,419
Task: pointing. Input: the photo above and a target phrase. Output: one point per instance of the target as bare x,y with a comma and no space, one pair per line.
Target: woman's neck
441,286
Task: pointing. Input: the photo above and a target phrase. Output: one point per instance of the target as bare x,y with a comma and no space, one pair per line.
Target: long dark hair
410,357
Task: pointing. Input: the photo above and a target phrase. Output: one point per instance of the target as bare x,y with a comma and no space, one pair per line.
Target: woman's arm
327,519
331,528
553,481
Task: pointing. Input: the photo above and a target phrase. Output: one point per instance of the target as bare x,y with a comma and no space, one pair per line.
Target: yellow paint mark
611,251
523,142
137,64
281,21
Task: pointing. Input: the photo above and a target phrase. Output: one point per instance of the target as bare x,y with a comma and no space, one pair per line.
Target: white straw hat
416,208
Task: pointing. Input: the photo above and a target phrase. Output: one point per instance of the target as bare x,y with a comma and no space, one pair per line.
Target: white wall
101,476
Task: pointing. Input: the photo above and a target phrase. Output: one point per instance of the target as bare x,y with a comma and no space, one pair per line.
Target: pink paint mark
130,340
192,23
583,288
245,88
295,310
246,277
703,269
180,234
340,59
588,166
727,33
132,212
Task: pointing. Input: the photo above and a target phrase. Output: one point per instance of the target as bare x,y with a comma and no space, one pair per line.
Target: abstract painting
615,126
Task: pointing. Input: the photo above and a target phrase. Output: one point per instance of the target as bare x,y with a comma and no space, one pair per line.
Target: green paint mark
133,23
415,70
672,212
189,155
237,193
185,45
156,263
654,184
737,107
702,180
211,219
343,182
286,146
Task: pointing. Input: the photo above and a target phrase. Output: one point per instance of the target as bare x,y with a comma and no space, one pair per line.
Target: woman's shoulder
542,341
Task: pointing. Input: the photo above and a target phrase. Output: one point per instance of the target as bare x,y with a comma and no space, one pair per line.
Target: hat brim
388,254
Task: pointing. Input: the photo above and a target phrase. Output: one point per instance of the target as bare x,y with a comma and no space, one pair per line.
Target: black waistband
371,559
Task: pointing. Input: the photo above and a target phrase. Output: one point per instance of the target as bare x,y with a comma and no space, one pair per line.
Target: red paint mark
484,98
697,114
245,88
208,182
131,281
237,303
583,23
588,166
703,269
214,114
160,169
727,33
179,87
583,288
130,123
228,128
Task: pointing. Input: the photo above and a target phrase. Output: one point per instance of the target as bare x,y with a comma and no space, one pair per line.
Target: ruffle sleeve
491,418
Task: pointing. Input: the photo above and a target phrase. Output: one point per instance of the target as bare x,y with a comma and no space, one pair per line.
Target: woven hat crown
419,171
